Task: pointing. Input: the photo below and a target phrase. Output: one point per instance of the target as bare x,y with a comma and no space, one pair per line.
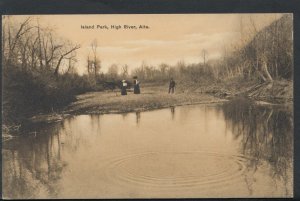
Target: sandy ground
156,97
150,98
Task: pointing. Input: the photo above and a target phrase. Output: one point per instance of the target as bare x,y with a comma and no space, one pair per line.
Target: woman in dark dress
136,87
123,88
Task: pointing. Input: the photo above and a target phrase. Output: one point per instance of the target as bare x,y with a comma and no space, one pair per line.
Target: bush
26,93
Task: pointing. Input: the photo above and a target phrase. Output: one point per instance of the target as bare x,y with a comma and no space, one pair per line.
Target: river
234,149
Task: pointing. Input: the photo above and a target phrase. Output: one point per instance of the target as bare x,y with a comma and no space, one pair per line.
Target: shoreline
110,102
143,109
152,97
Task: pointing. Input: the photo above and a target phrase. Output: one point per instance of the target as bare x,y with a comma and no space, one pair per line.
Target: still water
236,149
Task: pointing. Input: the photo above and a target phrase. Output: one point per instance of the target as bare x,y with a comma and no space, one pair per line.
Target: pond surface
236,149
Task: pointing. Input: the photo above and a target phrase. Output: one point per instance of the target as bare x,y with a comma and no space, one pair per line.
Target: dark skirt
136,89
123,91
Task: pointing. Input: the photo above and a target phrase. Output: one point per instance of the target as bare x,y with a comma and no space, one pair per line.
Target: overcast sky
170,37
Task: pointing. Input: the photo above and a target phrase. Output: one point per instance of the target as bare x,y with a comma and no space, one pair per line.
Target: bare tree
71,61
96,64
259,44
63,56
125,71
50,49
40,45
14,39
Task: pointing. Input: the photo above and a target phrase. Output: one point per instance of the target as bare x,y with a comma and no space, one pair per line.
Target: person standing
136,86
124,87
172,86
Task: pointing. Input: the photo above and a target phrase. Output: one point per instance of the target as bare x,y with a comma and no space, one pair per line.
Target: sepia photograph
98,106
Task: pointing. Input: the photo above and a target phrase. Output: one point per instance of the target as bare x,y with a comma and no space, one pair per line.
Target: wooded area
263,55
39,73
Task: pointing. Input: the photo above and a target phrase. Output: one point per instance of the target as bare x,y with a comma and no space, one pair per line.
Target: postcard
148,106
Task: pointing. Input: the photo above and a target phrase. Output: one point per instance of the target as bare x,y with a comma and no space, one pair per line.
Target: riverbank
107,102
156,96
151,97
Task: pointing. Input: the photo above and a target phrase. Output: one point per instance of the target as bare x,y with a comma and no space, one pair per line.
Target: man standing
172,86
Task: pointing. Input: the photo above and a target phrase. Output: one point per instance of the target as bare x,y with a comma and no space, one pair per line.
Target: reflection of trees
33,165
138,117
266,134
124,115
95,122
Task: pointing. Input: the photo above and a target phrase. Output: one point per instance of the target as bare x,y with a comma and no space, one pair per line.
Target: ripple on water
176,170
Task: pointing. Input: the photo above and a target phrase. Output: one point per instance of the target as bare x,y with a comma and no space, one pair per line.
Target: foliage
33,80
268,55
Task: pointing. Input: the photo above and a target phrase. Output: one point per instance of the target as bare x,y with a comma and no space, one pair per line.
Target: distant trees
93,61
113,71
264,56
147,72
182,71
38,64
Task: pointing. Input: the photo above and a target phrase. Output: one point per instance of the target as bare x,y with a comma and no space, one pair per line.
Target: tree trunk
58,64
266,71
262,76
40,47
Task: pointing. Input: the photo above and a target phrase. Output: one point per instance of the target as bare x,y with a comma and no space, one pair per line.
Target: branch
20,33
62,57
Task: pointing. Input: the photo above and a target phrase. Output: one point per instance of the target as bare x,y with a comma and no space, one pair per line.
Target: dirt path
150,98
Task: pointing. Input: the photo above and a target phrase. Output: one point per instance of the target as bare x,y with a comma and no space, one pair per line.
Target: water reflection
138,117
173,112
216,148
35,166
124,115
266,135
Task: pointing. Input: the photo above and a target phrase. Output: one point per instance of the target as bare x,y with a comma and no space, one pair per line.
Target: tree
125,71
163,69
113,71
50,48
71,64
63,56
95,65
11,41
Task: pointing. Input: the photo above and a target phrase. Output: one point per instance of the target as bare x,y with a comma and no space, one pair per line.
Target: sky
170,37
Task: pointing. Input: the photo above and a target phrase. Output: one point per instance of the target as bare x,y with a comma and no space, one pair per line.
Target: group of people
136,86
